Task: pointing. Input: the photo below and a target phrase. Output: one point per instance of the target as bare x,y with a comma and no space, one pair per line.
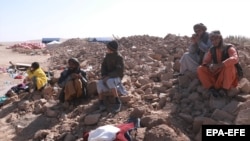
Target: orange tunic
225,77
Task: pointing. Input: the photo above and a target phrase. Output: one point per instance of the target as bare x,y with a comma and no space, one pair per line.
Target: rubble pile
29,48
170,108
28,45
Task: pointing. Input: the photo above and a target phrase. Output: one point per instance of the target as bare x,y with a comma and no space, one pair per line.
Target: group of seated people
73,80
215,62
208,56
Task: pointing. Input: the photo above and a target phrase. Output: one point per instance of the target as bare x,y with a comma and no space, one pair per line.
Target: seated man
200,45
73,81
218,72
36,76
112,69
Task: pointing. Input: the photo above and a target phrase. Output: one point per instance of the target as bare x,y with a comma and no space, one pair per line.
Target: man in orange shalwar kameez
220,75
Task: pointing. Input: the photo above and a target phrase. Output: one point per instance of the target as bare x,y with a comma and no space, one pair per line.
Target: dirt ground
7,55
7,131
170,108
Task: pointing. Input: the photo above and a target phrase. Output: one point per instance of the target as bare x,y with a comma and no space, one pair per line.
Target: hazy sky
22,20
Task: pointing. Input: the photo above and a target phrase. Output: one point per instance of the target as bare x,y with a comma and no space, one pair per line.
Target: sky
22,20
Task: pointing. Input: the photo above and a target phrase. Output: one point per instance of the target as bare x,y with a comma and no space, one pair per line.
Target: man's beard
72,70
219,45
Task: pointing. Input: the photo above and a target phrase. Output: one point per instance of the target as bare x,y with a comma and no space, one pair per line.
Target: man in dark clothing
112,69
218,73
73,81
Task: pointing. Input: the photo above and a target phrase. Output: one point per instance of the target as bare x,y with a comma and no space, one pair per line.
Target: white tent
53,42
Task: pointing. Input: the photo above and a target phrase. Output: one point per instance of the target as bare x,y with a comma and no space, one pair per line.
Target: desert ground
7,55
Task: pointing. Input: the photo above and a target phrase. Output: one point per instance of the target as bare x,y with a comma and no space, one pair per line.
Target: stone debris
170,108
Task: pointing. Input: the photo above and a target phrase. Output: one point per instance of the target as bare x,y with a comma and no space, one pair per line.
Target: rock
138,112
222,116
194,96
36,96
38,108
150,96
19,128
91,119
51,113
48,92
232,107
65,128
199,121
244,85
242,98
162,99
243,117
233,92
194,83
140,134
41,134
152,120
217,103
184,81
125,98
69,137
244,105
42,101
164,133
186,117
24,105
144,81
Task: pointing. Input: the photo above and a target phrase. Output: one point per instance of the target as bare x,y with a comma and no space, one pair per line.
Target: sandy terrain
7,55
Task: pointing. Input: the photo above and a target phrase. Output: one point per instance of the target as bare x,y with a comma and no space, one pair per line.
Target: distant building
100,39
48,40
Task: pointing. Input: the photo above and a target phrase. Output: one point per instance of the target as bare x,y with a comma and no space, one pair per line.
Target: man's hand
195,39
215,67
